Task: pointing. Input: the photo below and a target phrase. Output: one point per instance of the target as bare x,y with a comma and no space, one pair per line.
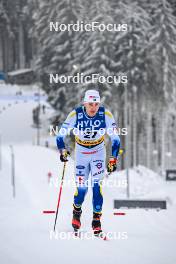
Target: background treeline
146,53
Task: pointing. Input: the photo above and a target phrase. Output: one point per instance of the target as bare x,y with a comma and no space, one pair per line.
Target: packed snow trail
26,231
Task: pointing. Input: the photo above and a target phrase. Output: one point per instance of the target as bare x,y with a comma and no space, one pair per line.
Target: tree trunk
134,125
165,77
148,141
21,46
126,126
163,143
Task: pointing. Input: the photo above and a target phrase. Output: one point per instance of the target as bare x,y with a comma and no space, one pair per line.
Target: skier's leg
97,207
97,171
82,169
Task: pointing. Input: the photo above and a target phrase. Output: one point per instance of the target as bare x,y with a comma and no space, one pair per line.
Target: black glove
112,164
63,155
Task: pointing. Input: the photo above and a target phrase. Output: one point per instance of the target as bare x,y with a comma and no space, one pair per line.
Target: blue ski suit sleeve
65,129
111,129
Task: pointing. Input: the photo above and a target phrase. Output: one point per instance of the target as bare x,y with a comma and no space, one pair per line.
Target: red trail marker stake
48,212
119,213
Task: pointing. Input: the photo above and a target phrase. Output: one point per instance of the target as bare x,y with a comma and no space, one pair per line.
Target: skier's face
92,108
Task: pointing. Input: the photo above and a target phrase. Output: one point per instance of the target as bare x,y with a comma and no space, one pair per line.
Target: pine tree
163,39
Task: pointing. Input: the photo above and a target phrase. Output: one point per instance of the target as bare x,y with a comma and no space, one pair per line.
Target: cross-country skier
89,123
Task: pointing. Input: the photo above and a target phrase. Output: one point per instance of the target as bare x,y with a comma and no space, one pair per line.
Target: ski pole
60,192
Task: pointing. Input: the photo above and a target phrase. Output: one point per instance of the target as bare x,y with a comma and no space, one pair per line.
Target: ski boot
76,223
96,224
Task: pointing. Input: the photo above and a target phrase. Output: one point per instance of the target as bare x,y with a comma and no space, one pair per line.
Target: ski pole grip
121,151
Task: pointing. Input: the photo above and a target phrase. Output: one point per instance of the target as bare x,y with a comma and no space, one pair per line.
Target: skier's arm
65,129
111,128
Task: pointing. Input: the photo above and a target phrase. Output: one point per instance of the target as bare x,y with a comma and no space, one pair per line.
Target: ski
80,234
102,236
76,232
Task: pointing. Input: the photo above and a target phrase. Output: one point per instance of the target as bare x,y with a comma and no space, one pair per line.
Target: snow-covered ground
26,233
16,113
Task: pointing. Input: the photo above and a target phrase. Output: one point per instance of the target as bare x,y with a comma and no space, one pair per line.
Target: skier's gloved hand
112,164
64,153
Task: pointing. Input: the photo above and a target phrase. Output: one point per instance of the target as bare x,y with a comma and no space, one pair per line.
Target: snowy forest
146,53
